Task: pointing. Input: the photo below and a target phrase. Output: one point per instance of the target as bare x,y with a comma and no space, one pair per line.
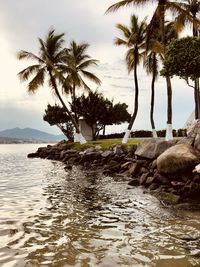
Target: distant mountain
30,134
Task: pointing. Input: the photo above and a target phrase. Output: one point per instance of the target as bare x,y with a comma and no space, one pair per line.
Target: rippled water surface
50,217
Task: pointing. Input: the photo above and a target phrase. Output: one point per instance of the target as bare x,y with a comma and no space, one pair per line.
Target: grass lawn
105,144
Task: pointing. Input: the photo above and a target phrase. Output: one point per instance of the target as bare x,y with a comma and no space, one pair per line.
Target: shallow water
50,217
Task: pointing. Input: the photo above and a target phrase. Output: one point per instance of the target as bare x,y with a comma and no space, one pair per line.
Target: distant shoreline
6,140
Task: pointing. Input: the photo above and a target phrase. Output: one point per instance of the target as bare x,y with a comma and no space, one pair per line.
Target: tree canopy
99,111
183,58
56,115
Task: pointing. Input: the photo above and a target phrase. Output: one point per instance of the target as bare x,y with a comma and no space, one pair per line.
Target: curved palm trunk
169,133
80,138
152,106
127,133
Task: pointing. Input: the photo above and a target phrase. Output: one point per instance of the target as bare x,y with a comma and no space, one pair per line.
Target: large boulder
177,158
152,148
193,135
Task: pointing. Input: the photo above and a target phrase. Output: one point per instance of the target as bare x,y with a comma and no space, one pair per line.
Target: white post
154,133
169,133
78,137
126,136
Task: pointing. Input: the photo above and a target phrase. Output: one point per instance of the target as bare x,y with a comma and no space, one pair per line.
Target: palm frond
84,85
126,3
151,64
54,42
27,72
87,64
185,13
90,76
130,60
37,81
124,30
119,41
27,55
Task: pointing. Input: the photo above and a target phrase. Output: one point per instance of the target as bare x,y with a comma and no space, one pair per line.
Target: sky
22,22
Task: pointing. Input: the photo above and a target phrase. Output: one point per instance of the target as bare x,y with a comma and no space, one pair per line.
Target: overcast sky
22,22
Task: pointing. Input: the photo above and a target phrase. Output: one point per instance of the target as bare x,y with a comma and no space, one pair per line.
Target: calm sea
50,217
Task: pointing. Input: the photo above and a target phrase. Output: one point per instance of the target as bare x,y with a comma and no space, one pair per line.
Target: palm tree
157,23
151,63
134,40
76,63
48,60
155,53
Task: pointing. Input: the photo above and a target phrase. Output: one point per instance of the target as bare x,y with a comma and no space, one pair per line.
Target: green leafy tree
56,115
190,16
183,58
99,111
133,38
47,64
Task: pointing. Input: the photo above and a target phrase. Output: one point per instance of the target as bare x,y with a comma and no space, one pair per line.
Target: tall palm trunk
169,133
196,82
74,101
197,99
81,138
127,133
152,105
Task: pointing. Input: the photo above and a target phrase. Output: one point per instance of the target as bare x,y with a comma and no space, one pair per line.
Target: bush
145,133
141,133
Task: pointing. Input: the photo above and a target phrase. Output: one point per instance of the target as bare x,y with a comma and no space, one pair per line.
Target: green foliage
55,115
99,111
183,58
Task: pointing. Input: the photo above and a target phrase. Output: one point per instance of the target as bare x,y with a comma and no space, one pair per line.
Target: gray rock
89,150
90,156
143,178
197,141
106,153
134,168
152,148
150,180
126,165
177,158
153,186
118,150
161,179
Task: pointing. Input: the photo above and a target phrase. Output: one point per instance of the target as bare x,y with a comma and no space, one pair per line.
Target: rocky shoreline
169,170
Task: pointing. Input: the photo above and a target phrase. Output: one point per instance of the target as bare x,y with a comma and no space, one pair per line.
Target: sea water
52,217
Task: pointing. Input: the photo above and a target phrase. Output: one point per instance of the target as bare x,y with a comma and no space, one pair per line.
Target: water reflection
50,217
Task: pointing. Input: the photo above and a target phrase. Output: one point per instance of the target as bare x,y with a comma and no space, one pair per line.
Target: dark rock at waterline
134,182
33,155
90,156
